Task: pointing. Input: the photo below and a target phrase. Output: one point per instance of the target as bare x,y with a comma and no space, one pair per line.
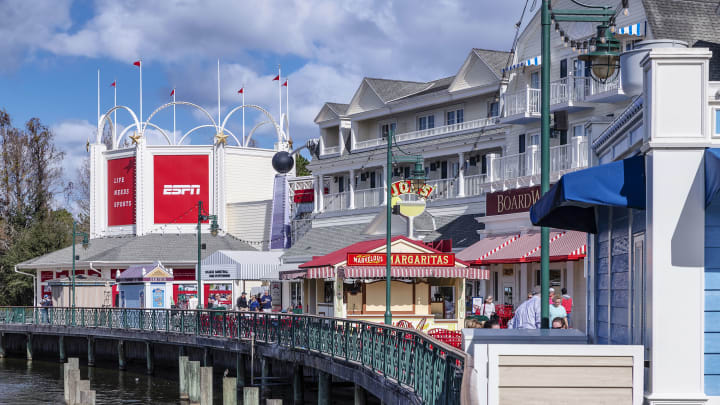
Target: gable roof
338,108
340,255
495,60
687,20
389,90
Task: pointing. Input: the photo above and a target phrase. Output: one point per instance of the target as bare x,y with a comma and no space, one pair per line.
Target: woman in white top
487,308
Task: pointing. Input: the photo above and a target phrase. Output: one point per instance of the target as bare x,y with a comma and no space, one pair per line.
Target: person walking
527,314
266,302
567,303
557,310
242,304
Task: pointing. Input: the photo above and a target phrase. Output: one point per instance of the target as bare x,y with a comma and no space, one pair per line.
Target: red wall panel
121,191
180,181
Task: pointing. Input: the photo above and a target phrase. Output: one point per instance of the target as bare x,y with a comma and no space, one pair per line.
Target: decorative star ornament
221,139
135,137
87,146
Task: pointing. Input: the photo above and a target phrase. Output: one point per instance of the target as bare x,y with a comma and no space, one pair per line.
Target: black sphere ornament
282,162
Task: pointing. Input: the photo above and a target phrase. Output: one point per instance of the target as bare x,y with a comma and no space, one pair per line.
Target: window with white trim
535,80
493,109
386,128
535,139
426,122
454,117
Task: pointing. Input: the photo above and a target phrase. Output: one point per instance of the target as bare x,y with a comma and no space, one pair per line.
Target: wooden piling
323,388
61,348
73,376
230,396
121,355
360,395
298,385
182,367
2,345
81,385
240,370
72,364
149,354
87,397
193,380
91,351
29,347
251,396
206,385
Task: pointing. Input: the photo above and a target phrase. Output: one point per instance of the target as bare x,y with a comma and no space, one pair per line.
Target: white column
523,282
341,141
351,194
321,193
316,192
533,164
490,159
461,174
385,185
322,145
576,142
677,129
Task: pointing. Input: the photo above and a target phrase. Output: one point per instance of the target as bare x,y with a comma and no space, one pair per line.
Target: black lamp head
282,162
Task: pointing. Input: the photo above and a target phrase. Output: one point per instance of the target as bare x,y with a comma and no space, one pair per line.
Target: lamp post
213,231
85,243
606,54
418,180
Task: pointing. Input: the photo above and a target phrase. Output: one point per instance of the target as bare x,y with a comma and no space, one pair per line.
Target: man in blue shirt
527,314
266,302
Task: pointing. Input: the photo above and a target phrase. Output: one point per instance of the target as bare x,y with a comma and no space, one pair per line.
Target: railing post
351,196
527,99
461,175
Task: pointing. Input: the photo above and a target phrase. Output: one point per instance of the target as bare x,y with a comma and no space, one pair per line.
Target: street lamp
214,228
606,55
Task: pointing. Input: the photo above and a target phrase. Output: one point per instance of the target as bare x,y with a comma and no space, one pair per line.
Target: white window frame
533,139
581,126
425,115
381,124
453,108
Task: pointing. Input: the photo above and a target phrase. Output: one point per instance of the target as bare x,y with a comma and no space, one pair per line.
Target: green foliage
301,166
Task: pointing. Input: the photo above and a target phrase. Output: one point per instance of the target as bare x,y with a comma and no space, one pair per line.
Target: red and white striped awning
321,272
568,245
414,272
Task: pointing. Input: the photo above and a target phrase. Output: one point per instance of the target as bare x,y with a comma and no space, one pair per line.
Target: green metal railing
432,370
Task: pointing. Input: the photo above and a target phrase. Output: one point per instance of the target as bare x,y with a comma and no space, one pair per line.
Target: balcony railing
569,89
515,170
425,133
371,197
331,149
524,102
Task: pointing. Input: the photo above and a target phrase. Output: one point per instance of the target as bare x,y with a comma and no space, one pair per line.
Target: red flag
172,93
276,78
241,90
112,84
136,63
285,84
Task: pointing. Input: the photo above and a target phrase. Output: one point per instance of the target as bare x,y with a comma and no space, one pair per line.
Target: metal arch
252,131
146,124
170,104
205,126
106,116
257,107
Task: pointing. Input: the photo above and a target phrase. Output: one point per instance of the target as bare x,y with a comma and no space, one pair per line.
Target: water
41,382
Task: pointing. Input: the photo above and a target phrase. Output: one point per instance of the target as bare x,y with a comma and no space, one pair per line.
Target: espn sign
178,189
180,181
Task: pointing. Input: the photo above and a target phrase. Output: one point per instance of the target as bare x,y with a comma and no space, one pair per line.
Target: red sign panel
402,259
511,201
180,182
121,191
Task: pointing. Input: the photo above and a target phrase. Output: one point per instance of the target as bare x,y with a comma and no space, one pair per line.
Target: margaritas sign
406,187
402,259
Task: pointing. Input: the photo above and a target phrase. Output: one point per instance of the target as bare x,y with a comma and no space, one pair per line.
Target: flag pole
114,113
287,105
174,140
98,97
218,90
280,105
243,110
141,112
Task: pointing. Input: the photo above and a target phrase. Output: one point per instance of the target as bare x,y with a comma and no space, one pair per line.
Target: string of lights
588,44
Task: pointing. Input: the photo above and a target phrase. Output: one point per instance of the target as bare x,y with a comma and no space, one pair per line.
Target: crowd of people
256,303
527,315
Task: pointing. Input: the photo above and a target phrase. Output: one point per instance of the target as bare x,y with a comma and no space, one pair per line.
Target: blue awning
712,174
570,203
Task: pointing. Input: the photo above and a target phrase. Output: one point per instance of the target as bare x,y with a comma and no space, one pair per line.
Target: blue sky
51,51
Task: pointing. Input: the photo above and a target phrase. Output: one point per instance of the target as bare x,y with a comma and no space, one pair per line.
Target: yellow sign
406,187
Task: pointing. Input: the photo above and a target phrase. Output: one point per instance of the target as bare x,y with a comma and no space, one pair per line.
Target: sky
51,51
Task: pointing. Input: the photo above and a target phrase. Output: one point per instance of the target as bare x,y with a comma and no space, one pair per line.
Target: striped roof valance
536,61
636,30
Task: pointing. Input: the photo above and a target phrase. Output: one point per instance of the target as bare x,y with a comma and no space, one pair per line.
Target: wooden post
87,397
240,370
251,396
28,347
61,348
323,388
121,355
182,367
73,376
298,385
91,351
193,379
72,364
206,385
149,358
207,357
265,370
230,396
80,386
360,395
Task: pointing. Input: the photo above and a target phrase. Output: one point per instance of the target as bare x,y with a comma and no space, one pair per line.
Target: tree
301,166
